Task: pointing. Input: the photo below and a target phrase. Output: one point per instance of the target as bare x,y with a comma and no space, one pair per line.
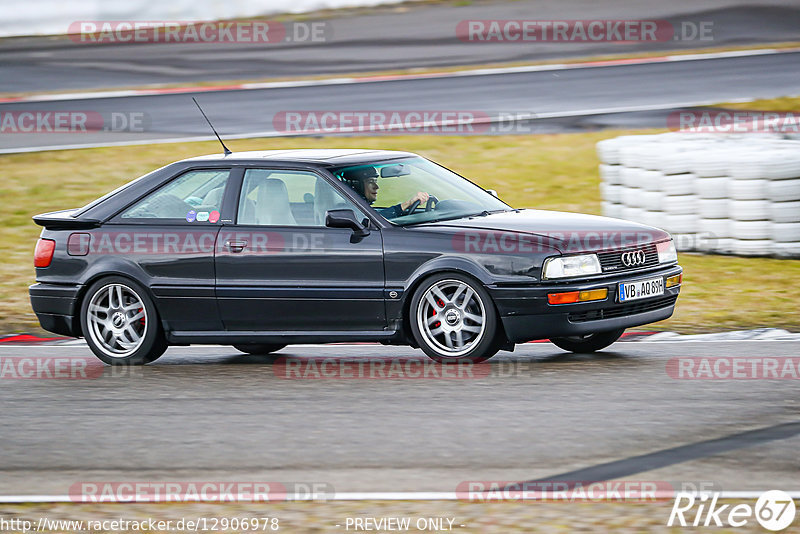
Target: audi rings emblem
632,259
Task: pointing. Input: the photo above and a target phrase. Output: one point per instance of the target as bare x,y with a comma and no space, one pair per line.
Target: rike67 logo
774,510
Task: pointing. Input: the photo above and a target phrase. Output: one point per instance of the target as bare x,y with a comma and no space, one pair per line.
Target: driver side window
272,197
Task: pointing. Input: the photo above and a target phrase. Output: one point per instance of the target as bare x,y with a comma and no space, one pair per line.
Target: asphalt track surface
210,413
384,38
568,100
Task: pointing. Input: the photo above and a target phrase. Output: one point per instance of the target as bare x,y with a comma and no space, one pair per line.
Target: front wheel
453,319
589,342
120,323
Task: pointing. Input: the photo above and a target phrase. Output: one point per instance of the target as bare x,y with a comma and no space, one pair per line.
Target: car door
166,240
279,269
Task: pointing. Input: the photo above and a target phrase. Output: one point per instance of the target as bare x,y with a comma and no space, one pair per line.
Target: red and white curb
88,95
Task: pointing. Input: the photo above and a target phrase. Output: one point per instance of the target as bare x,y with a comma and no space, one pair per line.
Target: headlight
571,266
667,252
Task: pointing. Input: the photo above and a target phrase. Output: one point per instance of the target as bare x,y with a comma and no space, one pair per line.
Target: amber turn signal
571,297
675,280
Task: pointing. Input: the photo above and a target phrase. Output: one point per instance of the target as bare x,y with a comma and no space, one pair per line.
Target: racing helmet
355,178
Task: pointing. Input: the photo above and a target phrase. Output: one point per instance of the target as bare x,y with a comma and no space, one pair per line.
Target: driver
365,182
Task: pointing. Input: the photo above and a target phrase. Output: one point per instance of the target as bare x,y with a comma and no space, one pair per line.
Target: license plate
640,289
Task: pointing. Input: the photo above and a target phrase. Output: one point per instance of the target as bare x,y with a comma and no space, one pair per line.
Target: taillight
44,252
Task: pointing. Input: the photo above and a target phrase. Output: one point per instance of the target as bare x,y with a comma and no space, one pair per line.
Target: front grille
623,311
611,261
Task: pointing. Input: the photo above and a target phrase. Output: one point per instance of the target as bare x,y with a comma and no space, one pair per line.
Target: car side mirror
345,218
492,192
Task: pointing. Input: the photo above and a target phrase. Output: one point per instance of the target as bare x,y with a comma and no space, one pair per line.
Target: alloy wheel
117,320
452,317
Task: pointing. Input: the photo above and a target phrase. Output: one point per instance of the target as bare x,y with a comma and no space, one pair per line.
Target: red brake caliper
437,324
141,321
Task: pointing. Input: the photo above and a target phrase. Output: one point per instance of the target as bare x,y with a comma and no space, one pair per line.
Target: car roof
326,157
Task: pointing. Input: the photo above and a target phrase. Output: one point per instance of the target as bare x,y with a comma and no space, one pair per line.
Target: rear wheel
120,323
588,342
258,348
453,319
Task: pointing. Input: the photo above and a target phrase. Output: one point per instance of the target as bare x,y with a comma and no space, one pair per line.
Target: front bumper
526,315
55,307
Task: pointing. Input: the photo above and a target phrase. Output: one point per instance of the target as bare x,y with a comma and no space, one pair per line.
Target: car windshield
392,188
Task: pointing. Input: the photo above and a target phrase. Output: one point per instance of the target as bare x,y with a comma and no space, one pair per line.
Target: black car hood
568,232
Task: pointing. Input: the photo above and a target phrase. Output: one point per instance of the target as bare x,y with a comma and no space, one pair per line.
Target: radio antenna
227,152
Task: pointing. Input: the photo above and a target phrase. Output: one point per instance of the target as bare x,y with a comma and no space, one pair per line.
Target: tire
652,218
783,190
752,247
608,150
629,176
680,224
629,156
679,204
712,208
610,174
652,200
470,315
784,212
712,187
676,161
712,164
612,193
635,214
651,181
782,165
589,342
748,189
786,250
749,210
751,230
611,209
120,322
786,232
632,197
715,228
679,184
258,348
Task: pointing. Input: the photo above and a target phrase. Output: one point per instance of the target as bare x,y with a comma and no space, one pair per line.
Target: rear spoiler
64,220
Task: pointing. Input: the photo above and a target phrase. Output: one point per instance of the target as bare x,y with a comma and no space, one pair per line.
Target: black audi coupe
263,249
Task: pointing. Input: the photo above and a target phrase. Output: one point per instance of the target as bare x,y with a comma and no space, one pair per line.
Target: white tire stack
730,194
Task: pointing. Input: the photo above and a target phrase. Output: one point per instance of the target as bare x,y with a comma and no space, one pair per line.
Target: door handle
236,246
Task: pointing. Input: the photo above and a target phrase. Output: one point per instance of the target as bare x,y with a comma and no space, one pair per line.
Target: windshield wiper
452,218
483,213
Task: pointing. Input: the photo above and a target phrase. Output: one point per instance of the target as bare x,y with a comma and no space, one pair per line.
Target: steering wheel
416,203
409,210
431,200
